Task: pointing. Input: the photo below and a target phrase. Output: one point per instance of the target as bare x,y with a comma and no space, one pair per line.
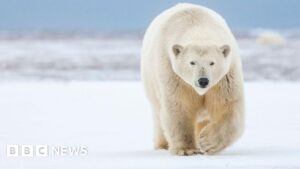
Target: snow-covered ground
116,56
113,120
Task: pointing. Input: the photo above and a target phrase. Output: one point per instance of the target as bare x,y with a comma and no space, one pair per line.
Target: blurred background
101,40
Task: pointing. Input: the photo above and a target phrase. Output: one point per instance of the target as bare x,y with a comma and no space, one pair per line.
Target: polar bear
192,75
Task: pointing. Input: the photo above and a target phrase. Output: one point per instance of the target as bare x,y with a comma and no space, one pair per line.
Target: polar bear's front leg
224,128
179,127
160,141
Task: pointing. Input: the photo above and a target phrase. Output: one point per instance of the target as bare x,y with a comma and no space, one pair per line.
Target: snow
96,56
69,56
114,121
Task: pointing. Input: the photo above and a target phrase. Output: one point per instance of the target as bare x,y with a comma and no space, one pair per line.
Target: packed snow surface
113,119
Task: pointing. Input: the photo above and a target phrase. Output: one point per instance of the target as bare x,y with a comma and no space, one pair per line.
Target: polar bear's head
201,66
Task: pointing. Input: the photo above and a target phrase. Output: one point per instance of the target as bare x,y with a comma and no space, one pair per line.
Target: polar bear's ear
177,49
225,49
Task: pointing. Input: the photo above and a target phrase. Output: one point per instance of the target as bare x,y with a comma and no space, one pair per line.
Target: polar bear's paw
211,141
185,152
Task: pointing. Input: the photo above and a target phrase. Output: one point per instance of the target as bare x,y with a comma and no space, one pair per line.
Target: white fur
170,81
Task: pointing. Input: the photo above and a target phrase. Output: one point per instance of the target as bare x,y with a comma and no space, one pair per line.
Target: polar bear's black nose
203,82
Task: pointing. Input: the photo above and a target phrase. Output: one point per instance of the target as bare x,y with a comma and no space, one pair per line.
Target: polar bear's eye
192,63
212,63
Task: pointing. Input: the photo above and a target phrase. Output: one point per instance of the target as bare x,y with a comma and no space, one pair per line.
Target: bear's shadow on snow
261,151
133,153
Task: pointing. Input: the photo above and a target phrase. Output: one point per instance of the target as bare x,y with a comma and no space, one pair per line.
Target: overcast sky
135,15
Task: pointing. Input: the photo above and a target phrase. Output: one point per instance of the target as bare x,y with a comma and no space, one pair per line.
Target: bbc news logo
45,150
